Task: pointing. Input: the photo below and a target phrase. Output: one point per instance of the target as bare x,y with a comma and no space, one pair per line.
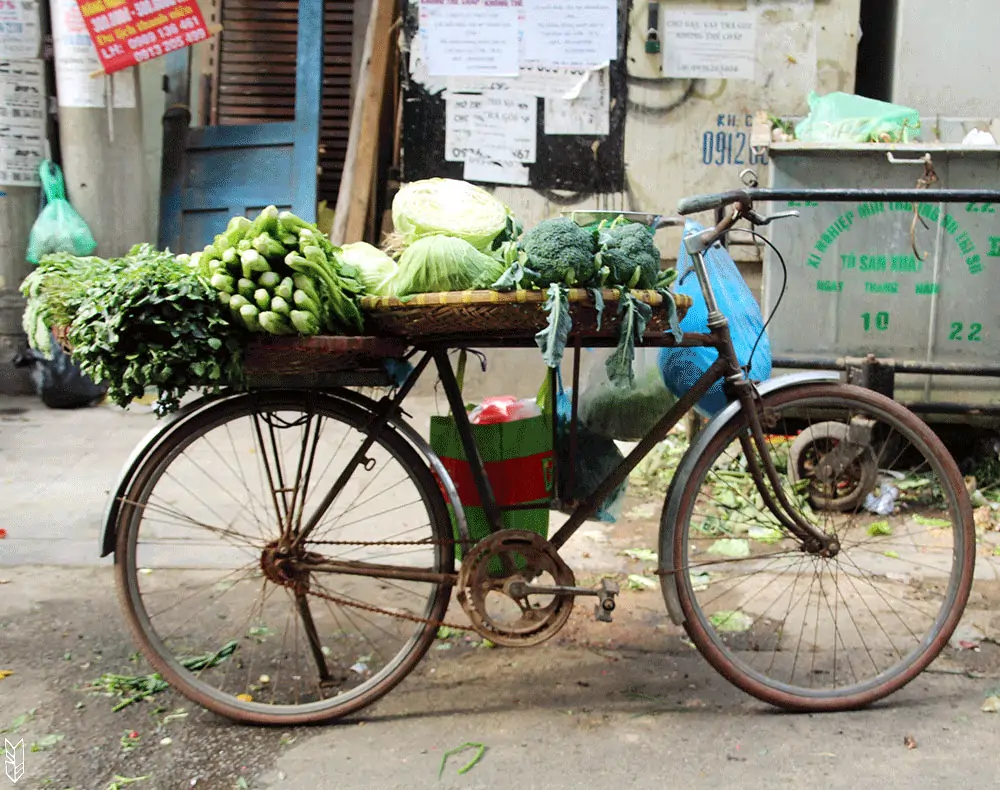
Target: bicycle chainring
484,580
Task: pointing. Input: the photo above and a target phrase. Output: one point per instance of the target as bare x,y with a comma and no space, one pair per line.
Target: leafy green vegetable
879,528
442,263
630,253
731,621
54,291
940,523
734,548
150,320
374,266
517,274
560,251
443,206
553,338
634,315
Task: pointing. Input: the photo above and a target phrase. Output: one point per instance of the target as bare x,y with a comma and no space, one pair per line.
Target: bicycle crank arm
520,589
606,593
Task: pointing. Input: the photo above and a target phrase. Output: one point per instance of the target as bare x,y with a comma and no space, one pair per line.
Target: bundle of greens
148,320
54,291
281,275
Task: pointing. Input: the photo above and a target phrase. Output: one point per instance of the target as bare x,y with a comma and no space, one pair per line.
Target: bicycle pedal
605,600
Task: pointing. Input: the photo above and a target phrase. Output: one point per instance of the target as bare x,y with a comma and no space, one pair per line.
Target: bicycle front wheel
802,630
243,623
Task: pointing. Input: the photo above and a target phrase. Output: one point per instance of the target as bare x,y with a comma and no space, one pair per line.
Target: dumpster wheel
848,490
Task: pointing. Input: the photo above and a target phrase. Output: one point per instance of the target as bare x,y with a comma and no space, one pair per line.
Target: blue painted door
217,172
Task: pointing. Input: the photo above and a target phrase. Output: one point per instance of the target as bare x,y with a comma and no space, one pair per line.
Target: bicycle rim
219,621
807,632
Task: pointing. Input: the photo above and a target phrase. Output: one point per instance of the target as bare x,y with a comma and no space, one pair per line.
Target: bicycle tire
126,570
674,538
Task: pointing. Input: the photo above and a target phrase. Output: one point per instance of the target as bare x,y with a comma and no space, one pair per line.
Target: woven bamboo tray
485,312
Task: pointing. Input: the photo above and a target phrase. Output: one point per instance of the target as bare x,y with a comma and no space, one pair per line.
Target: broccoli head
630,254
560,251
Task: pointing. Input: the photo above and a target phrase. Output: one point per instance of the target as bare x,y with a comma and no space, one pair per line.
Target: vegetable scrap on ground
172,323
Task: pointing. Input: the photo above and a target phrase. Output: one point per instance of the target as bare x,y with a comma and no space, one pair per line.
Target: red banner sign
127,32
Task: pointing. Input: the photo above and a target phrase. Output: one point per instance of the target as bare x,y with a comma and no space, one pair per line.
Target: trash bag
59,228
623,413
59,383
846,118
596,457
682,367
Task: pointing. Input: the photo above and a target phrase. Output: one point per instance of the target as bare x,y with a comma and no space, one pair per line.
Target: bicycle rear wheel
810,632
246,627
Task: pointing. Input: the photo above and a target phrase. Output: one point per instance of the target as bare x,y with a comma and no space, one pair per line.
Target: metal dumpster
913,285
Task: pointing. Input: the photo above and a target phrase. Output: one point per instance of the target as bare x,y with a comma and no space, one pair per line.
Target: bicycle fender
142,449
153,437
667,570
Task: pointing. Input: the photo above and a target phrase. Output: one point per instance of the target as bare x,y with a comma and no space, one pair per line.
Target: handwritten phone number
169,45
730,148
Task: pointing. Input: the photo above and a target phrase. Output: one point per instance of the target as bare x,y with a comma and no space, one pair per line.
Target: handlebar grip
698,203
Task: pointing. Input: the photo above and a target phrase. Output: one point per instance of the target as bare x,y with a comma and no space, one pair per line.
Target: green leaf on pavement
730,547
731,621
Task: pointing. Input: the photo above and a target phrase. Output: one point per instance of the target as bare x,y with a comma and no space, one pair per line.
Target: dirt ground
630,702
626,704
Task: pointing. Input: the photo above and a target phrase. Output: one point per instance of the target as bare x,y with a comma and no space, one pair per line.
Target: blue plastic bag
682,367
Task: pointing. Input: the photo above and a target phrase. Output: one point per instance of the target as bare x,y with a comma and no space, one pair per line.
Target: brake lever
759,220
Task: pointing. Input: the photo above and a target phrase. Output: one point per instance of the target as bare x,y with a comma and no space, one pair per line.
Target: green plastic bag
59,228
846,118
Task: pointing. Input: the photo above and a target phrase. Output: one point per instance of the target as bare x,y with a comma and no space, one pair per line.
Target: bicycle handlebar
698,203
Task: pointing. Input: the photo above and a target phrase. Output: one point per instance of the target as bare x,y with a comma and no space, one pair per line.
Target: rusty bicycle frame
726,367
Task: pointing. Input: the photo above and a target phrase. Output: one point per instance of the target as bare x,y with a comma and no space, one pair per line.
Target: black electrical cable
781,293
666,109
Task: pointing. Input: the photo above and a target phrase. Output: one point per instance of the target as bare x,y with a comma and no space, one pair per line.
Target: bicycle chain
376,609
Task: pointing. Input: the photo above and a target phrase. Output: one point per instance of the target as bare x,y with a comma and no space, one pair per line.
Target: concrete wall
946,57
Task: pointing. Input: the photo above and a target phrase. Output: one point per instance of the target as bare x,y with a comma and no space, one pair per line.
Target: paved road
623,705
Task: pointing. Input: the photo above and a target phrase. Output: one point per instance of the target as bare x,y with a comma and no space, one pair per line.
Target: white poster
588,114
710,44
477,38
76,60
500,127
22,121
580,33
20,31
549,82
487,171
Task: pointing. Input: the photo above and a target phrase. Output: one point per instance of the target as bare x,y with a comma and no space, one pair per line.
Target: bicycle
731,555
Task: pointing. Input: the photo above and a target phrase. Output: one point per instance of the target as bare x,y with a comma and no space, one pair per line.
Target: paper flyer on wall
20,30
476,38
710,44
575,33
588,114
22,121
500,127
